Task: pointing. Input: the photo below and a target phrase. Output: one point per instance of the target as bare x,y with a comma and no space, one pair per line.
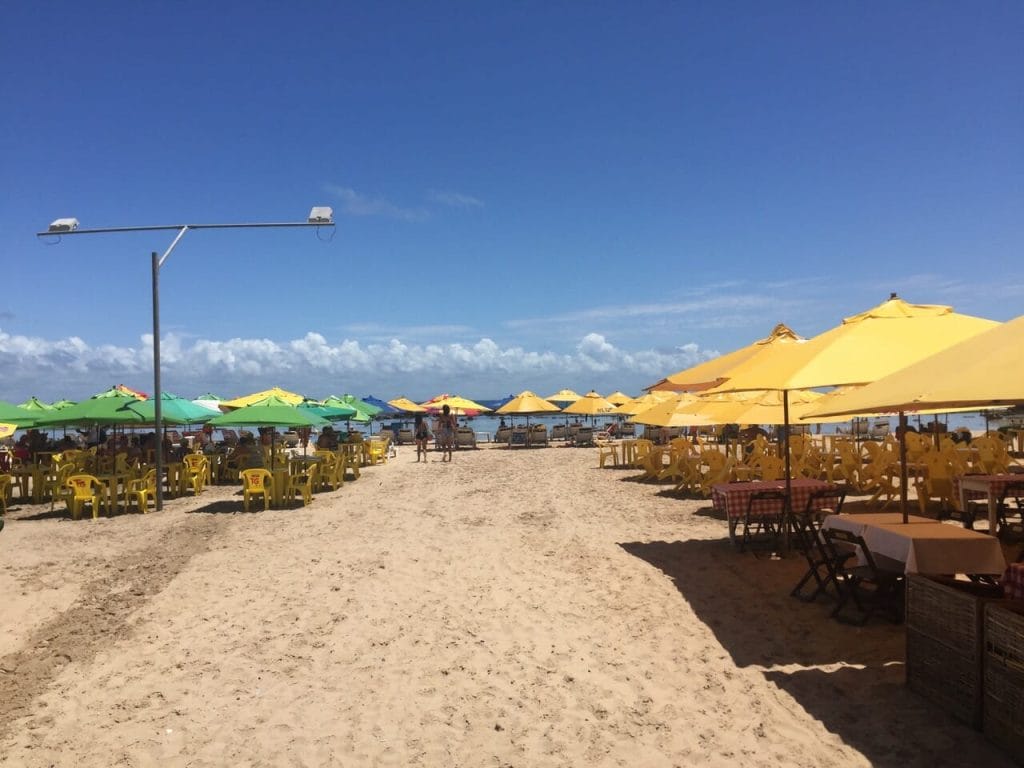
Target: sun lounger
465,438
538,435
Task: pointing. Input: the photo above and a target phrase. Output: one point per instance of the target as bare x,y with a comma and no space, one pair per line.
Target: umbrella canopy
269,412
591,404
290,398
984,370
105,408
120,390
864,348
60,404
527,402
383,408
674,411
173,410
564,396
363,411
710,373
34,404
458,405
13,414
759,407
329,412
642,403
618,398
407,405
208,396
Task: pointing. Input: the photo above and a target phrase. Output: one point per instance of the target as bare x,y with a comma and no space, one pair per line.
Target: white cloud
315,366
454,199
357,204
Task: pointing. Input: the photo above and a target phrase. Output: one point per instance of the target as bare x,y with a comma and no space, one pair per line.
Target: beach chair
762,523
303,485
872,587
465,438
85,489
6,481
197,470
821,560
257,482
142,490
584,436
538,435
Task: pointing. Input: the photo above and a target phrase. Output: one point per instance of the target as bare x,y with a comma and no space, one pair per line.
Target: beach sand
512,608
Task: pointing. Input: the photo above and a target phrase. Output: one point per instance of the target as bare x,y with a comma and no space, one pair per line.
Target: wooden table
981,486
928,547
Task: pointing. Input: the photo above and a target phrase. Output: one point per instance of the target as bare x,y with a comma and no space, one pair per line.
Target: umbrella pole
787,508
902,431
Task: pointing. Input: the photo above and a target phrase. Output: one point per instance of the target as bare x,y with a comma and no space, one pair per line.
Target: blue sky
527,195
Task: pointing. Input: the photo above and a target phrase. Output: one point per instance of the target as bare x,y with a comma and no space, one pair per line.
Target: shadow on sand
745,602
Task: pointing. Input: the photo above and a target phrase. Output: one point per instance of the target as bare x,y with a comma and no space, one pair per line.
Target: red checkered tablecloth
997,484
732,498
1013,581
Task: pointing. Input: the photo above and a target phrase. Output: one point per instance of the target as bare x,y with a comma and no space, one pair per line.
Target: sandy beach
511,608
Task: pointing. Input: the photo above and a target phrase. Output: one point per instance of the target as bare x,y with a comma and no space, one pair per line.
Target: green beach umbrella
13,414
363,411
34,404
173,410
59,405
329,412
269,412
105,408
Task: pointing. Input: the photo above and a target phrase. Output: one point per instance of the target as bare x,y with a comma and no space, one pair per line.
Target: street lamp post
318,217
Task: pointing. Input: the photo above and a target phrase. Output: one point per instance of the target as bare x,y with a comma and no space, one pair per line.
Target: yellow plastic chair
256,482
6,481
303,485
142,490
197,470
84,489
56,483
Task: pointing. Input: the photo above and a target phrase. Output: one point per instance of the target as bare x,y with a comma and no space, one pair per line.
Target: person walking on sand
422,434
446,432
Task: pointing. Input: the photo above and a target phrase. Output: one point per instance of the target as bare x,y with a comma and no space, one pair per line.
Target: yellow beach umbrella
678,410
457,405
711,373
618,398
6,430
527,402
405,404
642,403
982,371
564,396
240,402
864,348
591,404
761,407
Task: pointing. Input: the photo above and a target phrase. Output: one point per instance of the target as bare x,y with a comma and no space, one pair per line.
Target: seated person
327,440
248,454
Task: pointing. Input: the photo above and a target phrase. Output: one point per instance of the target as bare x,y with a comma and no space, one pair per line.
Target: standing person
446,426
422,434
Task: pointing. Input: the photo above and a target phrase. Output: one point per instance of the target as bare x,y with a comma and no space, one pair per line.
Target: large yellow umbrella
642,403
864,348
678,410
564,396
457,405
526,402
618,398
760,407
405,404
984,370
591,404
711,373
290,398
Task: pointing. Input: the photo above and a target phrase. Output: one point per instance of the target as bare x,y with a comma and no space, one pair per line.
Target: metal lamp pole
318,217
